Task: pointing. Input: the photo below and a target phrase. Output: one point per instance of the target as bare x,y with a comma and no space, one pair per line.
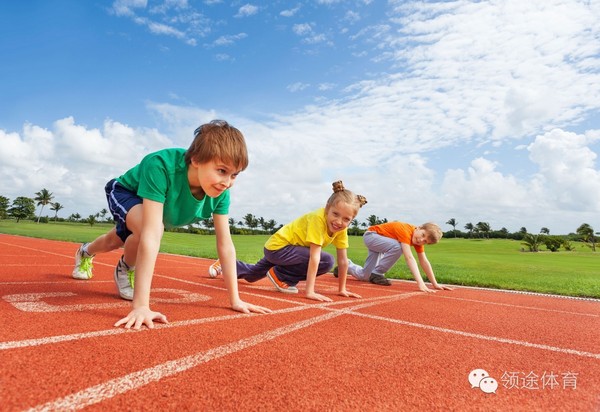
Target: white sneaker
124,278
215,269
83,264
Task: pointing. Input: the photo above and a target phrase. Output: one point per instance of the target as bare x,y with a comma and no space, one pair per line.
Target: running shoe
215,269
379,279
124,278
279,284
83,264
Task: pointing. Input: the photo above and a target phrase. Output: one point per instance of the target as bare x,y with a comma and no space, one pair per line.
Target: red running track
394,349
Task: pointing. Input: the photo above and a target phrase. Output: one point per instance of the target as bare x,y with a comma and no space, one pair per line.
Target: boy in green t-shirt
170,188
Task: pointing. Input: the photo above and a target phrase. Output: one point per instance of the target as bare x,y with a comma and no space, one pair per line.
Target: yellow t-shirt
307,229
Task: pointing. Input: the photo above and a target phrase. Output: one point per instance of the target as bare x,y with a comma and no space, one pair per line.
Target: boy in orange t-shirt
387,242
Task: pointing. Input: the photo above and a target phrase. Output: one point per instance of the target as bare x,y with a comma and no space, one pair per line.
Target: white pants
383,253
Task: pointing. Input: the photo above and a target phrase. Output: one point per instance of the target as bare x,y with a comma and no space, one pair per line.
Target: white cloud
508,87
326,86
317,38
247,10
567,169
302,29
172,12
290,12
229,39
72,161
126,7
352,16
298,87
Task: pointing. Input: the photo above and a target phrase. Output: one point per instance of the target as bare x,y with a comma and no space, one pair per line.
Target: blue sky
473,110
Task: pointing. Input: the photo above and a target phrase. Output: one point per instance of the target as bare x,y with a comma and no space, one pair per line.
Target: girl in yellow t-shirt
295,252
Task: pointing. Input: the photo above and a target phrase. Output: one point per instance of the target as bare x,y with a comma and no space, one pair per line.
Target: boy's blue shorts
120,201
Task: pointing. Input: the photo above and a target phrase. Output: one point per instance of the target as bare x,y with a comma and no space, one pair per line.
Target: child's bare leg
134,225
105,243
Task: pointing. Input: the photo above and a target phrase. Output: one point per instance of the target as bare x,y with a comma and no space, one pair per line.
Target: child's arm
424,262
311,274
342,261
226,252
150,234
414,269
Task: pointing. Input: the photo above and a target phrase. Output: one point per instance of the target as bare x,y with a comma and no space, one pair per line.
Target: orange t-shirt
402,232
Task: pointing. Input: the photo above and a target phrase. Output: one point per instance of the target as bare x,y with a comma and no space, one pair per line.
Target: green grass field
491,263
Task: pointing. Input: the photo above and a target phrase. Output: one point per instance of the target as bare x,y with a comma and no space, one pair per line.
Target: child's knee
396,249
327,262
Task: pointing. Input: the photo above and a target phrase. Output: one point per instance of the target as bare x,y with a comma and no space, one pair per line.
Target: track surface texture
396,349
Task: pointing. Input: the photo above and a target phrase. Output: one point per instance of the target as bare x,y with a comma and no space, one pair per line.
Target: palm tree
484,227
374,220
587,234
56,207
208,223
532,242
43,197
251,222
469,226
452,222
270,225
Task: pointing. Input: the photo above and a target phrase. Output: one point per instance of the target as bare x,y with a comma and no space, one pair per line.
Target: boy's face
338,216
212,177
419,237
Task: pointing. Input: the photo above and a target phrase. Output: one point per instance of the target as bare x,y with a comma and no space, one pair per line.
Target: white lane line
483,337
513,292
107,390
484,302
117,331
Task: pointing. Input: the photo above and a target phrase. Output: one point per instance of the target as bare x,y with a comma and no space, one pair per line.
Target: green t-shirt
163,177
307,229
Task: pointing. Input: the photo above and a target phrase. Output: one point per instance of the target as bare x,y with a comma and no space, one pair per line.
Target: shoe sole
382,282
289,290
212,273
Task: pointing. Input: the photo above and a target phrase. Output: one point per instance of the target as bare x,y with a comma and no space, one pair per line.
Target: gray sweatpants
383,253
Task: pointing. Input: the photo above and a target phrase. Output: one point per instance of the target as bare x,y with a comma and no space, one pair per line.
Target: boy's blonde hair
341,194
218,140
433,232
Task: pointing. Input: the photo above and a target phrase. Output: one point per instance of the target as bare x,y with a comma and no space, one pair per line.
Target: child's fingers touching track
138,318
316,296
259,309
349,294
245,307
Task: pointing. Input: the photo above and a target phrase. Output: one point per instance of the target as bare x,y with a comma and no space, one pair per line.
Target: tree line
24,208
531,240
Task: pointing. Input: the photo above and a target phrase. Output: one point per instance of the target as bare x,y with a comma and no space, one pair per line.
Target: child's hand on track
142,316
426,289
316,296
348,294
246,307
442,287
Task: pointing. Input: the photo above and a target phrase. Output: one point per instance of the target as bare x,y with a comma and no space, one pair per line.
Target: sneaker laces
131,276
85,263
